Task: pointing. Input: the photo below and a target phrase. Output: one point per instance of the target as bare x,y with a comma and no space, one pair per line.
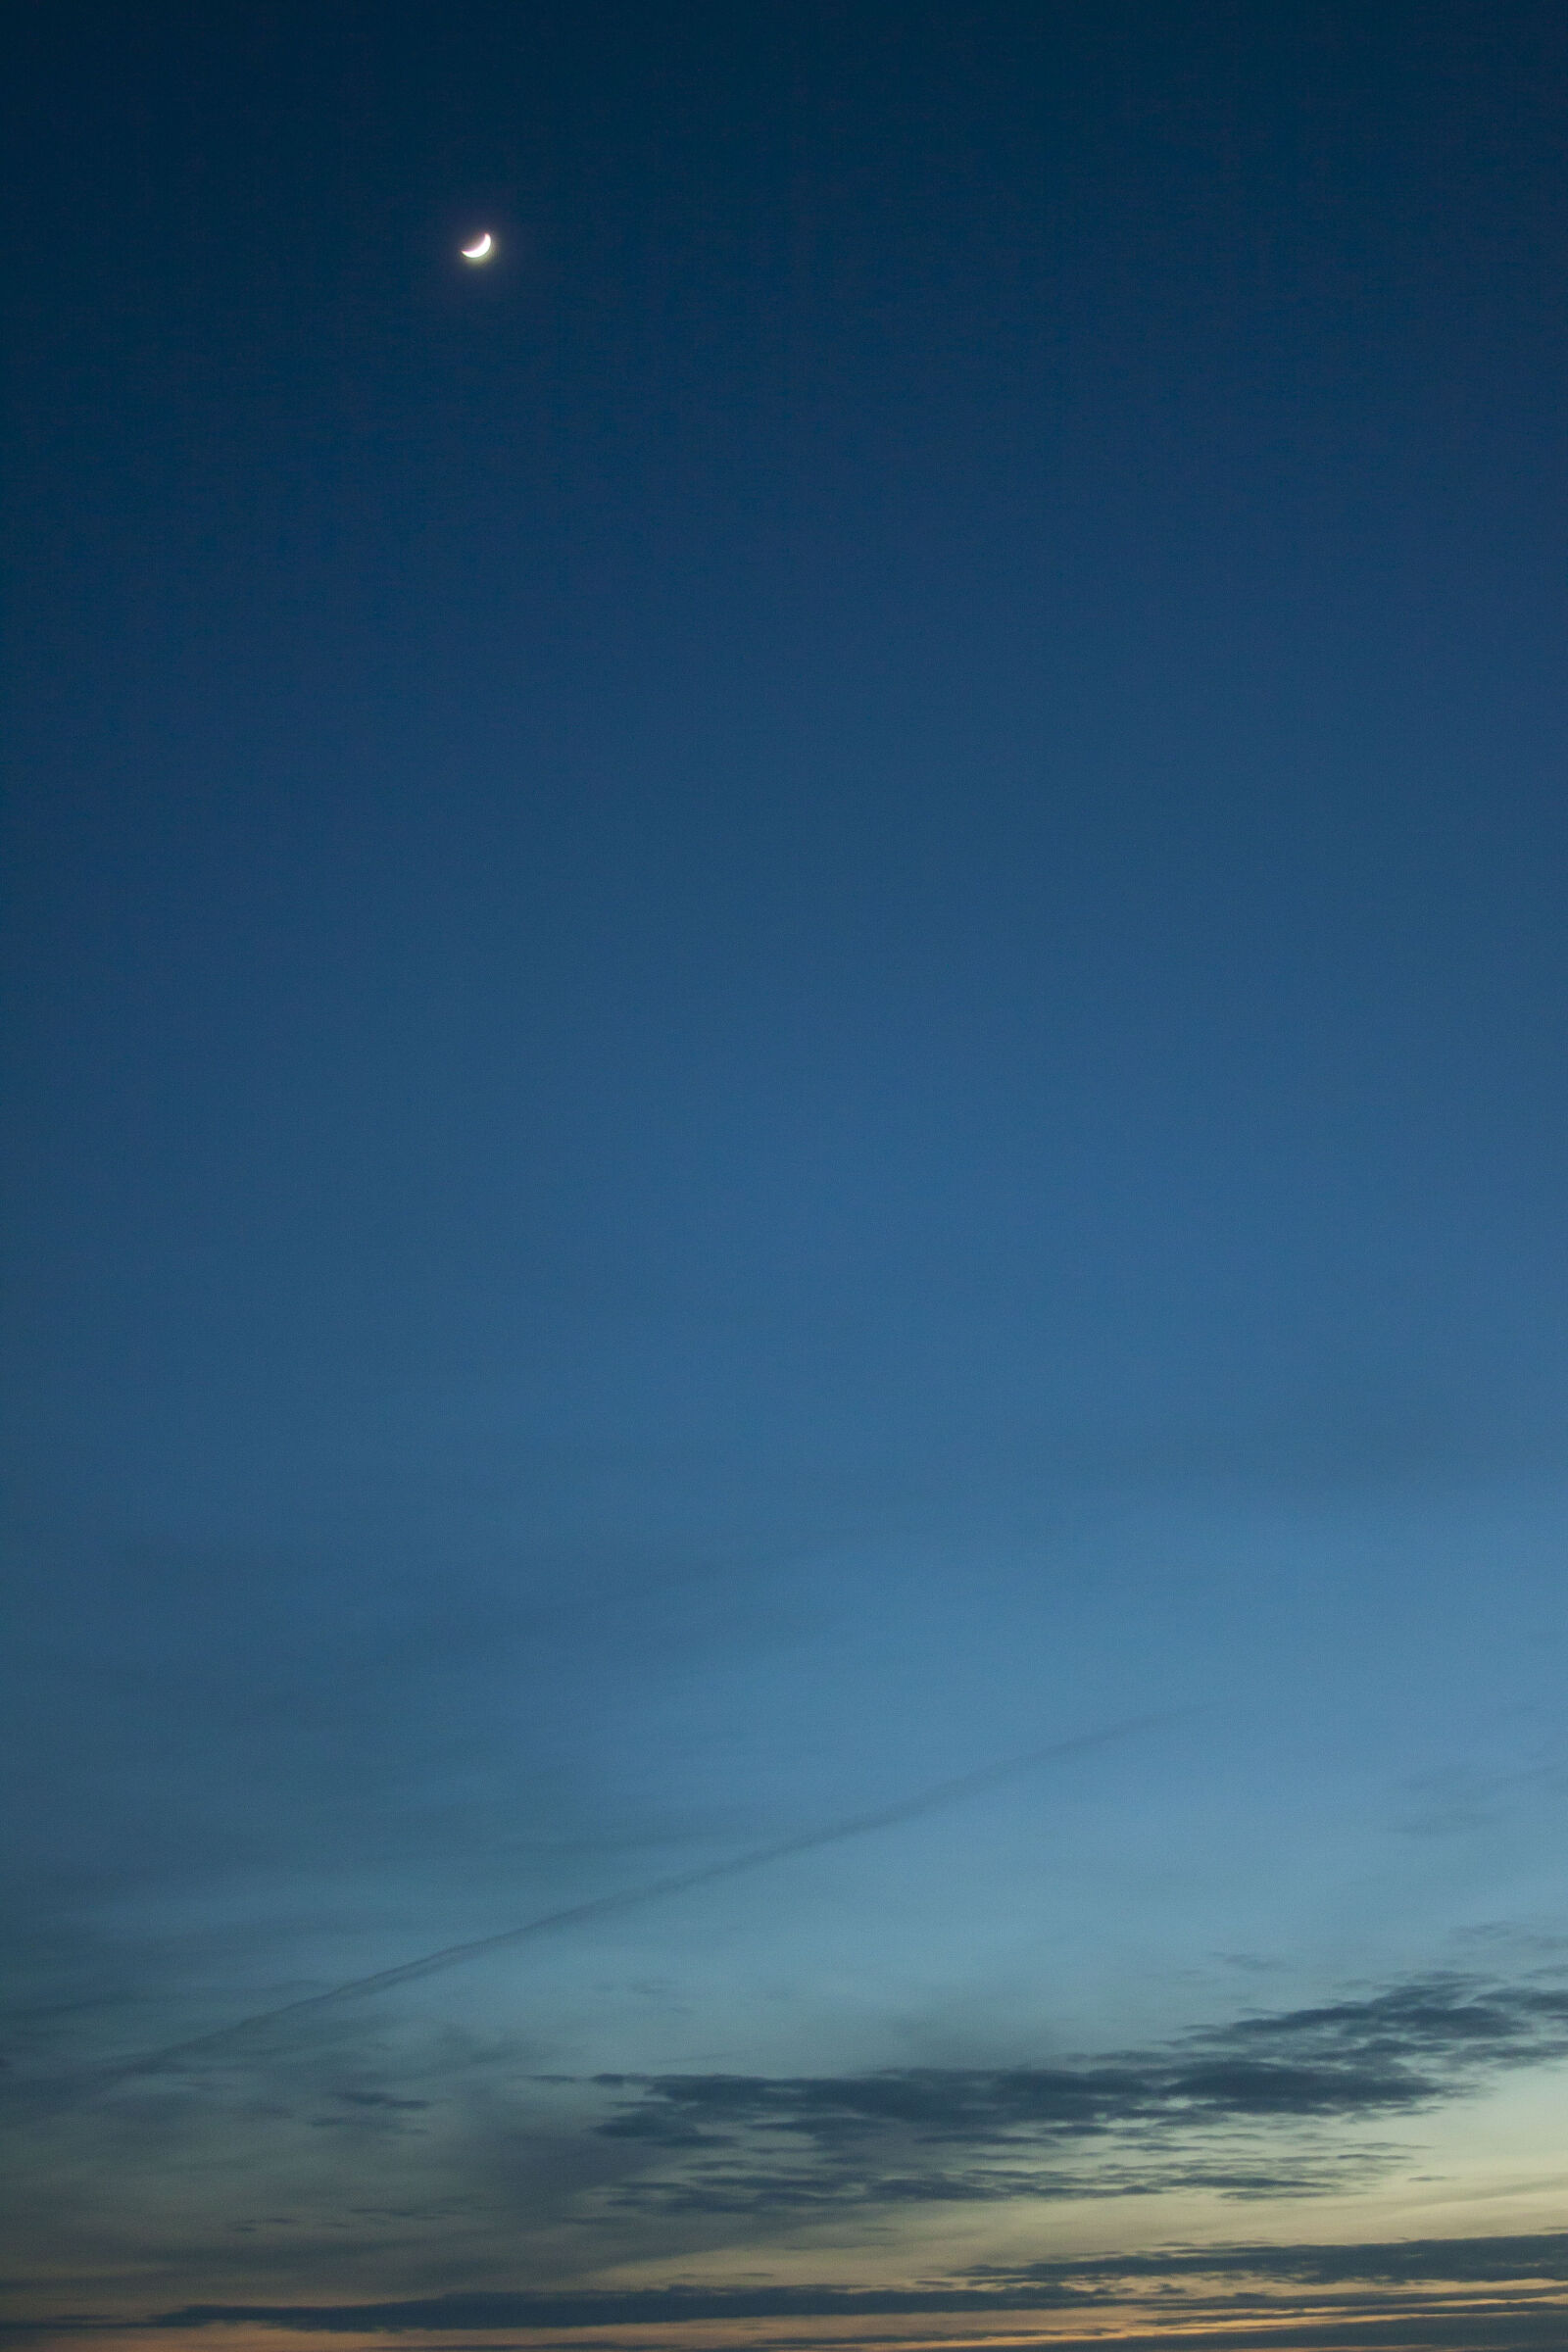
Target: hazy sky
787,1168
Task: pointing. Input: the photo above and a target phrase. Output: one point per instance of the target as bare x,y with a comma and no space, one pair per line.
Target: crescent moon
480,250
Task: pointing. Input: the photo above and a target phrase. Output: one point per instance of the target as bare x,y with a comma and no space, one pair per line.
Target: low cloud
1541,2256
1525,2262
470,2167
1245,2109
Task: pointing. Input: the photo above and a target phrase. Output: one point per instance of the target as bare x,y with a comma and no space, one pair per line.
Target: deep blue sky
786,1009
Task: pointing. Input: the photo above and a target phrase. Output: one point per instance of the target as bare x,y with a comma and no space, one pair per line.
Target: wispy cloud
1242,2108
955,1790
1411,2261
532,2178
1523,2263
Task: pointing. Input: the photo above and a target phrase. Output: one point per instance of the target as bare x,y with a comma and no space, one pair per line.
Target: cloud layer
1202,2280
1245,2108
521,2177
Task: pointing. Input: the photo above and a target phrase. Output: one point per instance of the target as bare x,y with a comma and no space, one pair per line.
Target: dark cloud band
1538,2260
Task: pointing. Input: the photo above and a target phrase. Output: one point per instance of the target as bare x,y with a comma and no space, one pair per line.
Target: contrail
607,1906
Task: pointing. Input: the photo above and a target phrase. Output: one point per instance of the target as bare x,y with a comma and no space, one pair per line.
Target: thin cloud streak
609,1906
1429,2279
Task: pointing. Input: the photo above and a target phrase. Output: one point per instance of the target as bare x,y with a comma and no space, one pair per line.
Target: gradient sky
787,1169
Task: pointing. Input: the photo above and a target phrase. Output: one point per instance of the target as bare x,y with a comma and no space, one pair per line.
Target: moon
480,250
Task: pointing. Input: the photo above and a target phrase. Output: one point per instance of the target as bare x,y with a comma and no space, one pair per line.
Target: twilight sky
786,1178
